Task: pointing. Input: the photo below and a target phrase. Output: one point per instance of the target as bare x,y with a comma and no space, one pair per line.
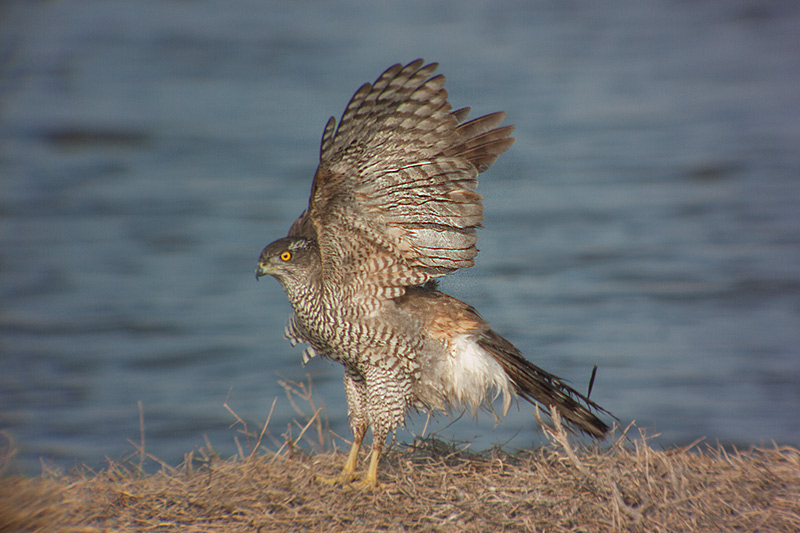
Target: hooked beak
261,270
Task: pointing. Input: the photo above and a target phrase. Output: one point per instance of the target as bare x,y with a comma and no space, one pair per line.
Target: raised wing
393,201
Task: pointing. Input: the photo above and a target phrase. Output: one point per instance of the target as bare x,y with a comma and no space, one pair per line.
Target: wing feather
393,201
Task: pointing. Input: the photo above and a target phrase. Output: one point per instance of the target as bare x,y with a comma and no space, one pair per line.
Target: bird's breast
342,328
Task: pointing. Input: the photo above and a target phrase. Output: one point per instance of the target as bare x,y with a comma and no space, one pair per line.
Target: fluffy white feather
473,377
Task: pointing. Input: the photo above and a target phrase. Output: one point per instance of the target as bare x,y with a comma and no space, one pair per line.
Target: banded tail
541,387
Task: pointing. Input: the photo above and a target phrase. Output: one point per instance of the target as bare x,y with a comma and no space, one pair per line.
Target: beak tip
261,270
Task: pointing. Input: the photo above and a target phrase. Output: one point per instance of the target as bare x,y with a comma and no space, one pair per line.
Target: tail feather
539,386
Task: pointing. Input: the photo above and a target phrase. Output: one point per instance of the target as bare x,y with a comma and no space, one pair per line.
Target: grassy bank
430,486
626,484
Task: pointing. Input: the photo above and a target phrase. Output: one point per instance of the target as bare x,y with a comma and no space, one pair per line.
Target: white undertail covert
473,377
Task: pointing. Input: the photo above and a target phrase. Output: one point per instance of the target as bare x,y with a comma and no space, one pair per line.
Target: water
646,220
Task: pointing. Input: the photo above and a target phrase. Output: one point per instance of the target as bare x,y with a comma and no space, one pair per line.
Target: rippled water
646,219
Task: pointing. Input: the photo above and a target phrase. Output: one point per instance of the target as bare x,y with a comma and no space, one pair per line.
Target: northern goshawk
392,208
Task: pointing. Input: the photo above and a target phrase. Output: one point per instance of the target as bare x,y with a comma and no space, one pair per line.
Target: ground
428,486
624,484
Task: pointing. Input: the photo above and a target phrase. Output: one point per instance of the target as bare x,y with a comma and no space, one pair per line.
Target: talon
365,484
341,479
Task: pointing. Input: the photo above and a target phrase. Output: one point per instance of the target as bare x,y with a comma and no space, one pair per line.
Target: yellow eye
285,256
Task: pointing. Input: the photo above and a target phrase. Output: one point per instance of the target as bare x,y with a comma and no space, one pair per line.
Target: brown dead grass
428,486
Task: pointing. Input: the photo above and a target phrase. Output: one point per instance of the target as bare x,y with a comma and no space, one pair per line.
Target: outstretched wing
393,201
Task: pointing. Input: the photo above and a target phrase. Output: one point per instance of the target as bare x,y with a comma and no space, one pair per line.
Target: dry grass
428,486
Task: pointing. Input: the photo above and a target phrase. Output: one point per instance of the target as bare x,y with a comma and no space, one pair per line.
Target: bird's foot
356,481
341,479
365,484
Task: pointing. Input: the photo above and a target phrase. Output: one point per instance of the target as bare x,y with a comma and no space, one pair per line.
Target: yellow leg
348,472
371,479
352,458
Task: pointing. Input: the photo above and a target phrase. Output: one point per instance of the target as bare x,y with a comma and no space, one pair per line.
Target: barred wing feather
393,198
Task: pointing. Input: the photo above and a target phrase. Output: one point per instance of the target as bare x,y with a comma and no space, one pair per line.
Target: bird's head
292,261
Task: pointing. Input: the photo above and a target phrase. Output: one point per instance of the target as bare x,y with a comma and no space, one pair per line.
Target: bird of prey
393,207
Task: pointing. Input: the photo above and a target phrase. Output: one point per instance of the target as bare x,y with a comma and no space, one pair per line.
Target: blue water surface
647,219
